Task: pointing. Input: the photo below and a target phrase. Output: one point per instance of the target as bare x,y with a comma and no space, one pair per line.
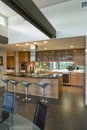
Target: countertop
27,75
67,71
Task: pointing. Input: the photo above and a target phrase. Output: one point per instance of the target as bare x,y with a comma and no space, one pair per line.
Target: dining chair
40,115
8,105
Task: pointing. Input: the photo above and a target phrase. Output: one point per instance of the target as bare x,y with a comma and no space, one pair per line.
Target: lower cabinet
77,79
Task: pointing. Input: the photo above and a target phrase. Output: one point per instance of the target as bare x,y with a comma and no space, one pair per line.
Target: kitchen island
53,90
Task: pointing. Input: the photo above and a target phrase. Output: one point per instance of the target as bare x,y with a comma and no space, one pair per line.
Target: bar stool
43,85
26,85
14,83
5,83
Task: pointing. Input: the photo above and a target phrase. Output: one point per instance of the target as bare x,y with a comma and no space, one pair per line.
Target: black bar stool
43,85
14,83
5,83
26,85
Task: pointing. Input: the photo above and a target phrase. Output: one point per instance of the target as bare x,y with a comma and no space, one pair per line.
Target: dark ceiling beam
28,10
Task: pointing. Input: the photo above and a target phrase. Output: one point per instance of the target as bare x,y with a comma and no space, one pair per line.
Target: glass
18,122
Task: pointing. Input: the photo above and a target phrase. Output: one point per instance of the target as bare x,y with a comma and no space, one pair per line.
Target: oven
66,78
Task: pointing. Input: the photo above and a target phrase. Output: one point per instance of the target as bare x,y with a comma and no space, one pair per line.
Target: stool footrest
44,100
26,99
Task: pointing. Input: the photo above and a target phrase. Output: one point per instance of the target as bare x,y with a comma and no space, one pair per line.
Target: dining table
18,122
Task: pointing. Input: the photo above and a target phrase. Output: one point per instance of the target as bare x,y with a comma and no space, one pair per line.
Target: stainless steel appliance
66,78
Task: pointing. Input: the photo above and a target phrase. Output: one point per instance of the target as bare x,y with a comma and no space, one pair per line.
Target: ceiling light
35,43
71,46
17,45
45,41
45,48
26,44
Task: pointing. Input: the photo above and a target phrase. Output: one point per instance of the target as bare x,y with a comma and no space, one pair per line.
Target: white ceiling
46,3
65,15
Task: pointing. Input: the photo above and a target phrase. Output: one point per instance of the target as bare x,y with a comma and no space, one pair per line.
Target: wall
86,73
3,67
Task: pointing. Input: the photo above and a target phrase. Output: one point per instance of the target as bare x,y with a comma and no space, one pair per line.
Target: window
3,20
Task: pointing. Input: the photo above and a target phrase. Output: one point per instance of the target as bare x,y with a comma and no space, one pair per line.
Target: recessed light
35,43
45,41
71,46
26,44
45,48
17,45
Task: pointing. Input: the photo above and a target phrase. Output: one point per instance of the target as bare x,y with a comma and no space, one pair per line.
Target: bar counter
53,90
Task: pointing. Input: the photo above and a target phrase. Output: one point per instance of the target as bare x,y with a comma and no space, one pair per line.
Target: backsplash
57,65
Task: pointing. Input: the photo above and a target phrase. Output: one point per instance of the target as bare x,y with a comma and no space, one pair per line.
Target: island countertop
27,75
53,90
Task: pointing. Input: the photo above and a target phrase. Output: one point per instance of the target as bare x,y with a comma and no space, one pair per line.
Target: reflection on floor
67,114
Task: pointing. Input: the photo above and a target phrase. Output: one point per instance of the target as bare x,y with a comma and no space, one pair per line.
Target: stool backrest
40,115
9,102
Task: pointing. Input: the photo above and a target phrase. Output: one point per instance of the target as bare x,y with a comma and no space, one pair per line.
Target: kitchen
69,61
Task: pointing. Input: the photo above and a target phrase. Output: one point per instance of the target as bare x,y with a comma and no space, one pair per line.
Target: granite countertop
27,75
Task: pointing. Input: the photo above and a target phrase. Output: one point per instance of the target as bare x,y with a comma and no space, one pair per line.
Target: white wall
86,73
2,67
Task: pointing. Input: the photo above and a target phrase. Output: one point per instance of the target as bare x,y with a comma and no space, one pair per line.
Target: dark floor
67,114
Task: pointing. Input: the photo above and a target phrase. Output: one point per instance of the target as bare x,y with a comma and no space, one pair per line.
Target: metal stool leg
15,91
43,93
26,99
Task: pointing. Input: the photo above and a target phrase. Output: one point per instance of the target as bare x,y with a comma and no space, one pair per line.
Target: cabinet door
69,54
38,56
44,56
79,57
77,79
24,57
62,55
56,55
49,56
82,57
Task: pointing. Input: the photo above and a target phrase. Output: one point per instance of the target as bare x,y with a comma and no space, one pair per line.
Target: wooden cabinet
44,56
24,56
62,56
38,56
56,55
50,55
79,57
77,79
69,55
10,62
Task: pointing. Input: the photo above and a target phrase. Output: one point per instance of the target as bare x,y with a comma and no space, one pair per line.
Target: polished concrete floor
69,113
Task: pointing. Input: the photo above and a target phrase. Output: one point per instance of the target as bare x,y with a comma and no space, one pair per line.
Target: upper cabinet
69,54
50,55
78,56
56,55
24,56
63,55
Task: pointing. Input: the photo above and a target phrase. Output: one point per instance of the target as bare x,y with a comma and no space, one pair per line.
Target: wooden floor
67,114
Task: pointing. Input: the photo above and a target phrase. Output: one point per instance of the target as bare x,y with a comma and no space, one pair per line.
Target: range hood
28,10
33,49
3,40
